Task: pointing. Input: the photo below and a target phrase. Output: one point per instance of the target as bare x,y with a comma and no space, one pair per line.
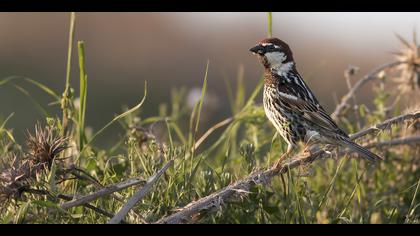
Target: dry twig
139,194
381,126
400,141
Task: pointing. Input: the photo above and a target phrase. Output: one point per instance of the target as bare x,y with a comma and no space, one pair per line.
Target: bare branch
242,187
389,143
367,78
400,141
102,192
139,194
386,124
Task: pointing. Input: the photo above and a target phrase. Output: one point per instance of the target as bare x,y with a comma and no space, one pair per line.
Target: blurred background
171,50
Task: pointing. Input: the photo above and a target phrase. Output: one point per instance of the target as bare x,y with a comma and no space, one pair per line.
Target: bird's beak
257,50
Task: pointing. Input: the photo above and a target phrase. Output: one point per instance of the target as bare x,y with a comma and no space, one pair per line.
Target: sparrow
292,107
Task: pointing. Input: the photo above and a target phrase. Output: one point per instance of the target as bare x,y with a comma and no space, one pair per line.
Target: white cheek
275,58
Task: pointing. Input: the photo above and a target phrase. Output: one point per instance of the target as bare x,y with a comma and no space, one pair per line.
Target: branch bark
241,187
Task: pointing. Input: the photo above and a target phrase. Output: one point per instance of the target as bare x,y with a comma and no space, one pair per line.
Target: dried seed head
17,173
44,146
409,77
13,177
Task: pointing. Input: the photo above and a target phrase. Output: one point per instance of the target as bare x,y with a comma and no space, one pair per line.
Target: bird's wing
310,109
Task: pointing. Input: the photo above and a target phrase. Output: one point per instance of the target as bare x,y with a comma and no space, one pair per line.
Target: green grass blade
255,93
44,88
194,133
41,86
413,201
351,197
6,120
2,129
197,109
6,80
229,91
331,185
65,102
178,132
40,108
83,94
203,93
270,24
240,90
70,50
168,128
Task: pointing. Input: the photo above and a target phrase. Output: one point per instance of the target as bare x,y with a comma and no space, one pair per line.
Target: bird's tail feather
366,154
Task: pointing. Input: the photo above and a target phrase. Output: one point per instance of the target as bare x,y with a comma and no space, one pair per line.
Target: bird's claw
278,165
307,152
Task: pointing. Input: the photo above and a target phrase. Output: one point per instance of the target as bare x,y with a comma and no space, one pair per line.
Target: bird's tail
366,154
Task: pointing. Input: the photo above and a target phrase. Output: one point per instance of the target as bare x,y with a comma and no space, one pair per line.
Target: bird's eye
272,48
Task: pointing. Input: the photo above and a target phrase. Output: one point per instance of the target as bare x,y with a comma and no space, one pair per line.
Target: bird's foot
278,165
307,152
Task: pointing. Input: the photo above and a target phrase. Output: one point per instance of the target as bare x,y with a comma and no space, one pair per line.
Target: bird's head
273,53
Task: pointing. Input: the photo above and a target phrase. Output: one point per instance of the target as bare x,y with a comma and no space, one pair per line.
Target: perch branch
139,194
359,84
213,201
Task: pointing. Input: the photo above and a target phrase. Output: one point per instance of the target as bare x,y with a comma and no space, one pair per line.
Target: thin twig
384,125
242,187
395,142
139,194
400,141
369,77
86,176
347,75
102,192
